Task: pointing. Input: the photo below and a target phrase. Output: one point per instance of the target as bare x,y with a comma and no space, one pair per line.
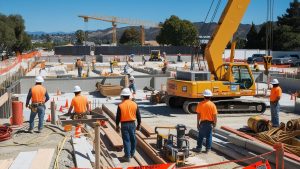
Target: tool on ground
258,124
157,97
174,151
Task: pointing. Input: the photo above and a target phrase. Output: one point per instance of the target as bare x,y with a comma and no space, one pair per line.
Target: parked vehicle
291,60
255,58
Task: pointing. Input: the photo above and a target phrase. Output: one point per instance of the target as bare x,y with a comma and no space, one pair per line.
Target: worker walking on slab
79,65
39,96
80,105
274,102
206,121
127,113
132,87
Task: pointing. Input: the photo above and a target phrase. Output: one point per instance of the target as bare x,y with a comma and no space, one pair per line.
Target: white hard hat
207,93
274,81
126,92
77,89
39,79
131,78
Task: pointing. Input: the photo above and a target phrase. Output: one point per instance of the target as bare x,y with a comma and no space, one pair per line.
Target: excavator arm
227,26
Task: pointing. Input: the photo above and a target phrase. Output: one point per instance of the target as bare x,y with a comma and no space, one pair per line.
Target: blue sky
61,15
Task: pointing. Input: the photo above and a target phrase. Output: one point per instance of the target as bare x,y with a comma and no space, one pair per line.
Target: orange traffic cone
67,104
78,131
61,109
49,118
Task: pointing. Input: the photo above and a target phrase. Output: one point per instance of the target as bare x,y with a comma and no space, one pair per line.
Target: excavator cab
242,76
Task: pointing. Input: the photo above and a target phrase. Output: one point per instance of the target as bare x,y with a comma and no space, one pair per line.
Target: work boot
207,151
125,159
197,150
30,131
39,131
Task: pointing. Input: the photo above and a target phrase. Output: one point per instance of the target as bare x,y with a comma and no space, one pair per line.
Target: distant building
204,39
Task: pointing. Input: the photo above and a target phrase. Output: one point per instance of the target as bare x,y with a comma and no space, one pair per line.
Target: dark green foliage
177,32
12,34
80,36
130,37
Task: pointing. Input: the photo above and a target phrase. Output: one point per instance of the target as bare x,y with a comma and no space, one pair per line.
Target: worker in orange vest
275,95
206,121
39,96
127,113
80,105
79,65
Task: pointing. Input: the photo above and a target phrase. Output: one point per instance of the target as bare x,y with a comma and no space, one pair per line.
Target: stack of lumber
40,159
108,89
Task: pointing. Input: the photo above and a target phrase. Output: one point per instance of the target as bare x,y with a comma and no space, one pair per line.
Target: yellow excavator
227,81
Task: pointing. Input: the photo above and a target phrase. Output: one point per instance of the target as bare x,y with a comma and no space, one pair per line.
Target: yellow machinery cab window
242,76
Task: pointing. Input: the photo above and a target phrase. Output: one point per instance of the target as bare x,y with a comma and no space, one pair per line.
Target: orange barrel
17,113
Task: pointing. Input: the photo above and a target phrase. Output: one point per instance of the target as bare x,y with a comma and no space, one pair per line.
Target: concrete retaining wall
72,50
289,85
139,50
89,84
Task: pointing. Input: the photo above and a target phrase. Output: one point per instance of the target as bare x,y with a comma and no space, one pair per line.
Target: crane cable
205,31
269,26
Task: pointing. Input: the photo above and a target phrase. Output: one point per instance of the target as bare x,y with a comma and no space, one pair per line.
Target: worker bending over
274,102
206,121
80,105
127,113
39,96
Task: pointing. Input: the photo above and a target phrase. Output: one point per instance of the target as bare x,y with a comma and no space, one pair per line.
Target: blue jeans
41,115
129,140
79,71
275,108
132,87
205,130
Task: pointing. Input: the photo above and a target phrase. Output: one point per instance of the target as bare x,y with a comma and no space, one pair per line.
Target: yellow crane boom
227,26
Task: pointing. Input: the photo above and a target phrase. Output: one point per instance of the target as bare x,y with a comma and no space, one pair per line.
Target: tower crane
117,20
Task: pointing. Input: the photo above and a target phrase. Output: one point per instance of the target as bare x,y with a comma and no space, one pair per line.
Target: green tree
252,41
7,36
177,32
130,37
291,17
79,34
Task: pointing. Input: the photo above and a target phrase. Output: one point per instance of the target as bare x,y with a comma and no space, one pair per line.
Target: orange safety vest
275,92
79,63
38,94
79,103
128,110
207,109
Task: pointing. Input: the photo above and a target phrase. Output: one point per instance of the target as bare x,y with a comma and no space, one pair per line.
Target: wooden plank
3,98
23,160
147,130
81,157
113,137
42,159
5,164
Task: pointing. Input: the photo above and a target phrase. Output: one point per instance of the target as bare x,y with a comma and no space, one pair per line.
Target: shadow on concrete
96,94
161,110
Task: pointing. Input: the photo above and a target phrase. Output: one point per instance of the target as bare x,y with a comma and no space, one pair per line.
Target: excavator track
230,106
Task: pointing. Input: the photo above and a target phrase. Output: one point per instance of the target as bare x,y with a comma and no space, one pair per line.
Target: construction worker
132,87
255,66
127,113
274,102
39,96
179,57
111,66
79,65
165,66
206,121
80,105
144,59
